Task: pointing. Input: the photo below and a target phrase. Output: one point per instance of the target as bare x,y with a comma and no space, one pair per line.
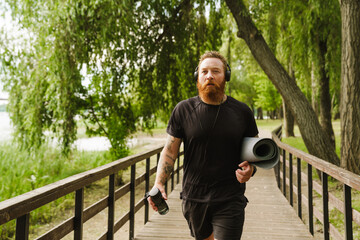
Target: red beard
212,94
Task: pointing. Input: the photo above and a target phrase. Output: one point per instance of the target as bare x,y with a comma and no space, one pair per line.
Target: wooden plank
268,215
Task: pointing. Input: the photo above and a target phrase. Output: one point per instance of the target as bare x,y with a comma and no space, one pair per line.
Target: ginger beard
214,93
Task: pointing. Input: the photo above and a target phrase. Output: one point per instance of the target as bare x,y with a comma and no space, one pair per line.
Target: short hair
213,54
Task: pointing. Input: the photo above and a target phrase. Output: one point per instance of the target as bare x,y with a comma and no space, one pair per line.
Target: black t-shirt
212,136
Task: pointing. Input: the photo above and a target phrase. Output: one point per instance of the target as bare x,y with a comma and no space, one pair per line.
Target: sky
11,29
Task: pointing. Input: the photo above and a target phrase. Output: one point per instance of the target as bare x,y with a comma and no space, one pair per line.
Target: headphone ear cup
228,73
196,74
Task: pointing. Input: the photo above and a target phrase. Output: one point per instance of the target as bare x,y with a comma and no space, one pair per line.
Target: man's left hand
243,174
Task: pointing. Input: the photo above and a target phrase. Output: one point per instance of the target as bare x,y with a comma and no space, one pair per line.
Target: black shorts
225,219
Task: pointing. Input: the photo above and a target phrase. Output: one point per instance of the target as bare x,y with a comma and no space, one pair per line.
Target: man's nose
209,75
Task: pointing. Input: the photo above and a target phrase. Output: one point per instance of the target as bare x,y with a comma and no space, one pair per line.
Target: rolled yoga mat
261,152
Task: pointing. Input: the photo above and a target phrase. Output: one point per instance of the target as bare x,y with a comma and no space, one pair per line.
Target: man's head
213,54
211,77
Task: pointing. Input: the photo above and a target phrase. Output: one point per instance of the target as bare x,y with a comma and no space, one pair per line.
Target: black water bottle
159,201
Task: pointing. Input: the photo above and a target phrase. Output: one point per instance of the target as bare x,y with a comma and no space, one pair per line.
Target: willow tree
315,138
115,64
313,135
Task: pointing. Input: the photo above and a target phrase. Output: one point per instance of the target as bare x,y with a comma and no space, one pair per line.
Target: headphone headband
227,73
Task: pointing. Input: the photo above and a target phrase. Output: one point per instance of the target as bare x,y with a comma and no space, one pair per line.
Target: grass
22,172
298,142
268,124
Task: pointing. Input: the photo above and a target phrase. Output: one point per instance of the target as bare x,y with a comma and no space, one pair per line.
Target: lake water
5,127
86,144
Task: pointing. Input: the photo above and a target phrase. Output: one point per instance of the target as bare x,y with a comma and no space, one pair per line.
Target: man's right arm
166,164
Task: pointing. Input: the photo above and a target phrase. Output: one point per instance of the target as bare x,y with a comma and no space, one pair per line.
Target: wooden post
325,195
298,165
79,207
291,179
111,207
348,213
22,227
132,203
147,188
284,172
310,200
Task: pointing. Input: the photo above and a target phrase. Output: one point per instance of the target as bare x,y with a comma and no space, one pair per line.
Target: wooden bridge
268,215
272,213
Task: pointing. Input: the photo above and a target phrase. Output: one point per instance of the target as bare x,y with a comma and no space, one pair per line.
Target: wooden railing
20,207
287,168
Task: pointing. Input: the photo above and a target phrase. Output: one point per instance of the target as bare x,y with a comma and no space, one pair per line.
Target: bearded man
212,127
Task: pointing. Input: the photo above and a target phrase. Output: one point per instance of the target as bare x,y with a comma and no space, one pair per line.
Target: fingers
244,164
163,193
152,204
243,174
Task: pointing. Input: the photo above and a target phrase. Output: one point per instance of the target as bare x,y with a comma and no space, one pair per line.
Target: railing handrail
349,178
27,202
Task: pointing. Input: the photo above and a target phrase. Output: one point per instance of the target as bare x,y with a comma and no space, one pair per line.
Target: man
212,127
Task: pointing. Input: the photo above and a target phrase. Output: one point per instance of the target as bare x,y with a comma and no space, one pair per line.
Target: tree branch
96,118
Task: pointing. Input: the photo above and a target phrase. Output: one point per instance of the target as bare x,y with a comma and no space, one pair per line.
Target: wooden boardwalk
268,215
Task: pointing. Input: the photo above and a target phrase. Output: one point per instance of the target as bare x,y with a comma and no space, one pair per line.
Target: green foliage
241,61
21,173
117,65
295,30
267,96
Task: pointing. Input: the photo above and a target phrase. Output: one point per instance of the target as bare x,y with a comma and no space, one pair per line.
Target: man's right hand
166,165
162,190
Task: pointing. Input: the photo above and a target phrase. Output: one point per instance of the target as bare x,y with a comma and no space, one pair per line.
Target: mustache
210,83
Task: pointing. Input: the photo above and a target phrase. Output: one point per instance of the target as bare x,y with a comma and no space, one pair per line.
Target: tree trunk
313,135
314,90
324,91
350,85
288,122
260,115
279,112
288,117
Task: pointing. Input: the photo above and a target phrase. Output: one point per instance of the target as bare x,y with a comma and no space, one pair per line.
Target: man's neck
209,101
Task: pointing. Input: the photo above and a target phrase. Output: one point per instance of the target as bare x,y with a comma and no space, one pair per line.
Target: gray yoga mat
261,152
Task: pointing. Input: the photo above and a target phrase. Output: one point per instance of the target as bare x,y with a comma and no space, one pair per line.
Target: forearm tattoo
171,158
167,169
169,142
168,158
